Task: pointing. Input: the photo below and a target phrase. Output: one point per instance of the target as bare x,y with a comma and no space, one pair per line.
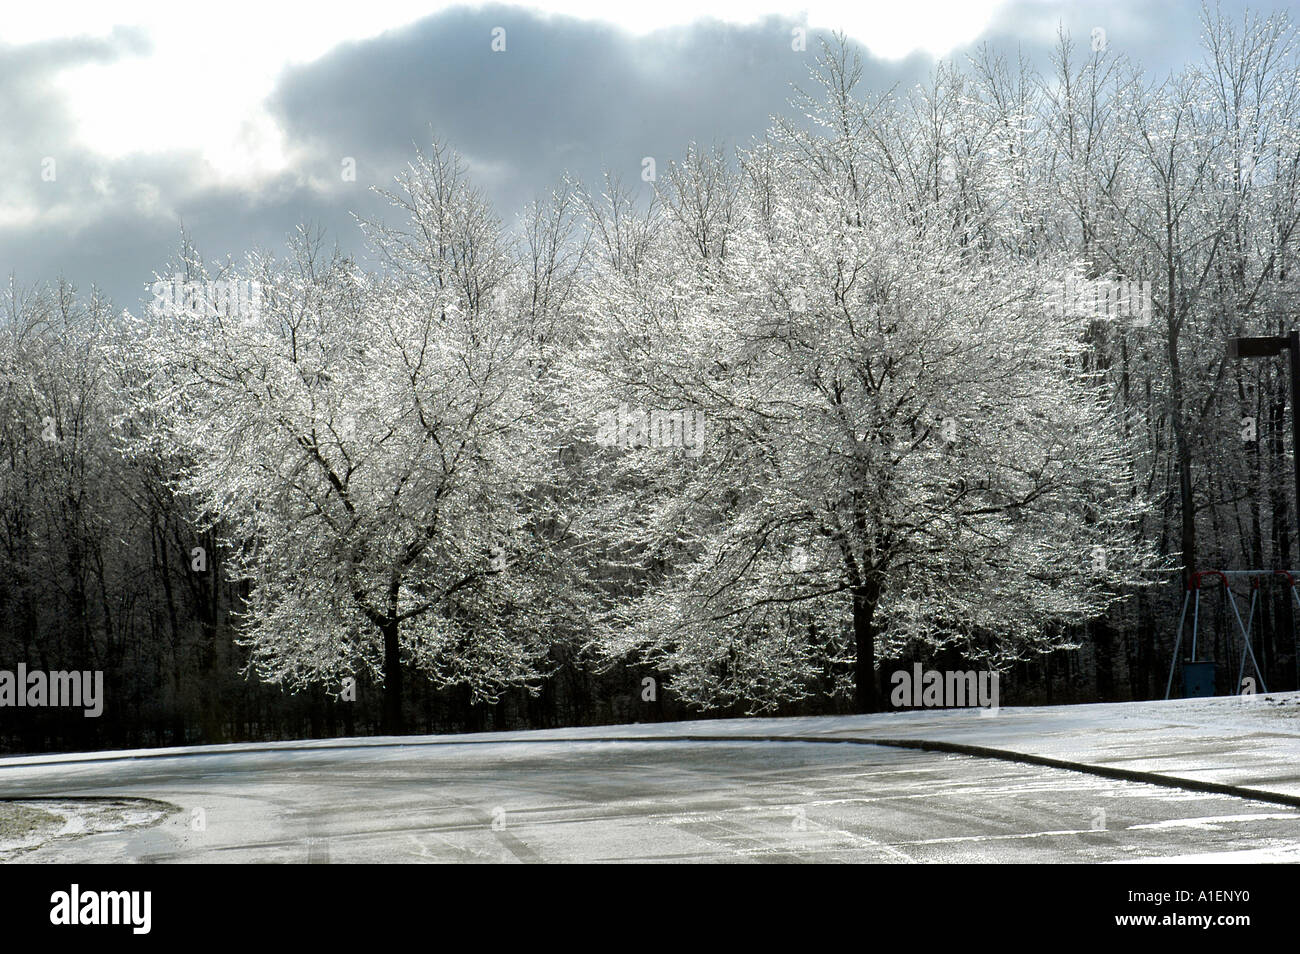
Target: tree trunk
392,680
865,599
1103,642
1178,412
1187,504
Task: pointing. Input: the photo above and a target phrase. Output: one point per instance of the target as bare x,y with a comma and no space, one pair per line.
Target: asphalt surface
660,801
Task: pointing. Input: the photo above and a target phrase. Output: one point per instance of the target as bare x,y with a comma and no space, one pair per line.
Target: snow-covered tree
905,443
372,447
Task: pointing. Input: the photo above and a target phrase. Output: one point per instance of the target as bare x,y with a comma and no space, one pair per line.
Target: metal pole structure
1182,618
1245,634
1196,619
1262,348
1293,345
1250,628
1297,648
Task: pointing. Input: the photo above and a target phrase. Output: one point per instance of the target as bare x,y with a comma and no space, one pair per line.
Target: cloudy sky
123,120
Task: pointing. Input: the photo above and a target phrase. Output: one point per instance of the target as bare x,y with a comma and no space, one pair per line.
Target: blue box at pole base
1198,679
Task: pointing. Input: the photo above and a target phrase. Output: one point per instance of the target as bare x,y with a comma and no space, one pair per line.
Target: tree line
927,375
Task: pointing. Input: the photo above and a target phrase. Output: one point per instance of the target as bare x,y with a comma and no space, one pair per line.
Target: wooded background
1094,171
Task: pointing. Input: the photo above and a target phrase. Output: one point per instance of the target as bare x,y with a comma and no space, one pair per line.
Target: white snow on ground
1280,854
86,817
1213,822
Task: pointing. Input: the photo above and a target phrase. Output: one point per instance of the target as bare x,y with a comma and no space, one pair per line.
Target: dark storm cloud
564,95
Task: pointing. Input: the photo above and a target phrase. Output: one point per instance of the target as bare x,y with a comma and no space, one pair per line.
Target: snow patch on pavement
1214,822
76,817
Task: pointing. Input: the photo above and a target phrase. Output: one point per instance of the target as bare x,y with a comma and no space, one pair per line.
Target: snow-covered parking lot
564,796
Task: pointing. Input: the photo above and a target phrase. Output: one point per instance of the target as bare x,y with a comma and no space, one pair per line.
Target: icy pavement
1251,741
550,796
